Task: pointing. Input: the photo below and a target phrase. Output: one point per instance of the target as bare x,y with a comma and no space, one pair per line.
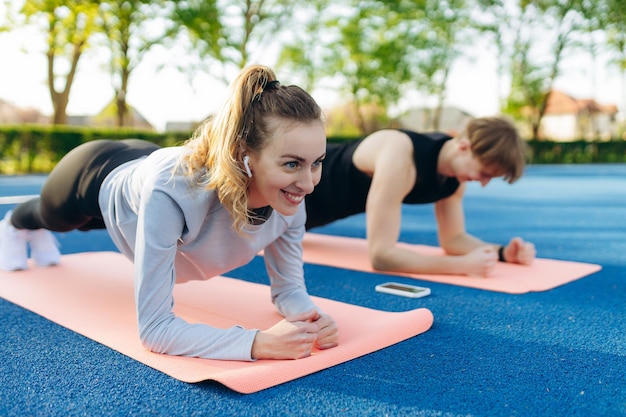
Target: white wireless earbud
246,164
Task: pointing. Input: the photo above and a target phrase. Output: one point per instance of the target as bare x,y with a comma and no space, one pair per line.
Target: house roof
562,103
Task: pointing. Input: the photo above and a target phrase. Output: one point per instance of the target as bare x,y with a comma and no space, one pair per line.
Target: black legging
69,197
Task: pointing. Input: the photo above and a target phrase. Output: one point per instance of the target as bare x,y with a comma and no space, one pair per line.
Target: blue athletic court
560,352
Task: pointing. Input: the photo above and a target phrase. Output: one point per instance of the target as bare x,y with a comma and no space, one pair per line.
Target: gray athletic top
173,232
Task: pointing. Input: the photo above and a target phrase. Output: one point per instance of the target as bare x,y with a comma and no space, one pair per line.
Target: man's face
475,170
468,167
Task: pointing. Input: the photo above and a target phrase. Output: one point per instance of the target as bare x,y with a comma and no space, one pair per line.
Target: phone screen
403,288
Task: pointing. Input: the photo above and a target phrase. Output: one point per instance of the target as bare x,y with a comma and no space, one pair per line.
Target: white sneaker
44,247
13,251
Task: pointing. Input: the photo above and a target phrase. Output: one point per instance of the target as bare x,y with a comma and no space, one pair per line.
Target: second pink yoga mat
542,275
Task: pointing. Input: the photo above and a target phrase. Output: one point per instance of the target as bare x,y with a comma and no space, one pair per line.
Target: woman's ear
242,155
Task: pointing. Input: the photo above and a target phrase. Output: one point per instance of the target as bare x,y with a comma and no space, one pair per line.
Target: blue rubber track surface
555,353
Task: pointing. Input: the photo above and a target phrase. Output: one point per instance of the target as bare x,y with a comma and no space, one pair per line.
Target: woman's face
289,167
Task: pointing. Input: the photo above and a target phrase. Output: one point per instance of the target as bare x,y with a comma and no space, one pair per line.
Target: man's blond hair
497,144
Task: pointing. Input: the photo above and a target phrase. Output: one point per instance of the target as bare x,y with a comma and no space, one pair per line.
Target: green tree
613,21
231,33
534,36
124,24
441,38
366,44
376,50
68,26
306,50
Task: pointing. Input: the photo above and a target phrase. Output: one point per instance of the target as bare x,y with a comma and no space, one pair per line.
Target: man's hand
480,261
518,251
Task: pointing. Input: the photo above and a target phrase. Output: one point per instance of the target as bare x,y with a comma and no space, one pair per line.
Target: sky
162,94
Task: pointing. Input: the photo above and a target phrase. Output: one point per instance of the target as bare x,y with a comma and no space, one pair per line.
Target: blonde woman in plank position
196,211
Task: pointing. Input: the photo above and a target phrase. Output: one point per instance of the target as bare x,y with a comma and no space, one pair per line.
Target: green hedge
577,152
37,148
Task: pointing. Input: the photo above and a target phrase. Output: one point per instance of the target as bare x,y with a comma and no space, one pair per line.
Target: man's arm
455,240
393,178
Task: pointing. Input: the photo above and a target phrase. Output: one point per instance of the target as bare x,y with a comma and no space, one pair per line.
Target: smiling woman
197,211
292,164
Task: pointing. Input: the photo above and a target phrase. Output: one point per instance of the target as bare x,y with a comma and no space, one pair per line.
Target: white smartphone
404,290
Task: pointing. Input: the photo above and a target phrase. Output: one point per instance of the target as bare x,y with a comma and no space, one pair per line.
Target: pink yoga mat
92,294
542,275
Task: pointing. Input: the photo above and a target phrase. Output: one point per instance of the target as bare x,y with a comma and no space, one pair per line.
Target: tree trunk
60,99
441,96
123,118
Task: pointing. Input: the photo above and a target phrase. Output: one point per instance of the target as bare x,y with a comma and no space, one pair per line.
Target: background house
108,117
12,114
452,120
568,118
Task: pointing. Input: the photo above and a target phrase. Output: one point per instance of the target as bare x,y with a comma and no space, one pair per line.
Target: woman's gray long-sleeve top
175,231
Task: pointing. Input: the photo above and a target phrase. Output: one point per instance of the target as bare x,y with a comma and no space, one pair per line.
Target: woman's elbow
150,339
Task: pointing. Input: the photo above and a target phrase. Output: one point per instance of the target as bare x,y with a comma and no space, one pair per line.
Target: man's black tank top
343,189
